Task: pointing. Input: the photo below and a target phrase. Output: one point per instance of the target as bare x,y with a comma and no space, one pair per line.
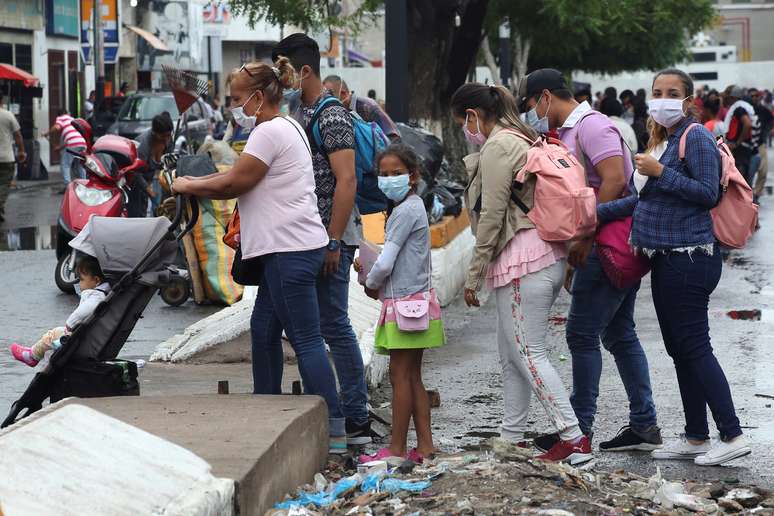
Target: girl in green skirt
410,320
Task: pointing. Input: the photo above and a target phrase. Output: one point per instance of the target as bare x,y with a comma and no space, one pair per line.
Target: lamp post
506,66
99,58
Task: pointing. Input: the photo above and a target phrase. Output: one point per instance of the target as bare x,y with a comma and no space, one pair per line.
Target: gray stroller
137,257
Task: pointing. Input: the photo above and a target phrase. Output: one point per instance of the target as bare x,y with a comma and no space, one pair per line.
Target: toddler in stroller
93,290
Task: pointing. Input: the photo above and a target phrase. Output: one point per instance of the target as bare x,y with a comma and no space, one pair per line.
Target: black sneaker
629,439
545,442
358,434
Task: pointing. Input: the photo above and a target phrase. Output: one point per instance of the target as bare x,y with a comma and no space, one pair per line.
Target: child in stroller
93,290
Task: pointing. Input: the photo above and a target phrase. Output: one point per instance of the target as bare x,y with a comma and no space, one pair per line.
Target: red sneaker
573,453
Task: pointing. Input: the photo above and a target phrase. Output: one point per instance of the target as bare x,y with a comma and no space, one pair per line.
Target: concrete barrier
73,460
225,335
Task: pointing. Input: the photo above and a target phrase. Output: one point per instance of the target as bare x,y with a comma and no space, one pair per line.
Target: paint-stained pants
523,308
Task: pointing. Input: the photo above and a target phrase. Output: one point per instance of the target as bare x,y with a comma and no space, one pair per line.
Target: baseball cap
539,80
737,92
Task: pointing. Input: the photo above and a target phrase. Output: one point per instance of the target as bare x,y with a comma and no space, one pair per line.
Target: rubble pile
506,479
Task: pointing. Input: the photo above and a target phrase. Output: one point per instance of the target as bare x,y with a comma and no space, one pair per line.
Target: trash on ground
504,478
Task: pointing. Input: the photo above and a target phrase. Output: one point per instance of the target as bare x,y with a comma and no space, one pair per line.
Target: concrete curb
225,335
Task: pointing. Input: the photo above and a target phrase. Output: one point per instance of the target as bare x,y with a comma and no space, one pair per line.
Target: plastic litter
487,481
393,485
322,498
320,482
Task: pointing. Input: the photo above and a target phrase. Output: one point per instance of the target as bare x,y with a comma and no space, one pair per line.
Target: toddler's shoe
23,354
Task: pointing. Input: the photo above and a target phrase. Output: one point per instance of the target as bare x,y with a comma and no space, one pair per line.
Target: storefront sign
21,14
217,16
62,17
110,33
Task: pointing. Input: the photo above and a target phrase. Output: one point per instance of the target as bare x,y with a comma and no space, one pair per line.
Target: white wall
758,74
40,46
238,30
359,80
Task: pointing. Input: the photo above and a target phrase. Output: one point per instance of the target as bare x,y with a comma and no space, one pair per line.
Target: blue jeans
681,286
333,298
598,309
68,163
287,298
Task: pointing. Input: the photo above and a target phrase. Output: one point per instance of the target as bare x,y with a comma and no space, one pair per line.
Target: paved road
467,371
31,303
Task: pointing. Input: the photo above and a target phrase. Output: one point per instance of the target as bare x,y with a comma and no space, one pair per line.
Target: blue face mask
396,188
538,124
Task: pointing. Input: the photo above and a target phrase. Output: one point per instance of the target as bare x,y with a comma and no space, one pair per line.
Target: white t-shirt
8,126
280,213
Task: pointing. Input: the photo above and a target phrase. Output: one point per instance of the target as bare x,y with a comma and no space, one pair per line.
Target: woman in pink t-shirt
282,230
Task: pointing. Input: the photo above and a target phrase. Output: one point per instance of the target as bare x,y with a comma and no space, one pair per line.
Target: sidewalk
54,179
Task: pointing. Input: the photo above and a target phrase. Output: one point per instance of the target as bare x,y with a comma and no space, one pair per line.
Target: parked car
140,108
106,115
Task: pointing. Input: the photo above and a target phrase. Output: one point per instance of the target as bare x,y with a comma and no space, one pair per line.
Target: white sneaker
723,452
681,450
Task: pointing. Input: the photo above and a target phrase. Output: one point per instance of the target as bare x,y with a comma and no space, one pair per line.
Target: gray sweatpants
523,308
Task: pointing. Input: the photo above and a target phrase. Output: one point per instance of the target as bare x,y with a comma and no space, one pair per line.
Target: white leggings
523,308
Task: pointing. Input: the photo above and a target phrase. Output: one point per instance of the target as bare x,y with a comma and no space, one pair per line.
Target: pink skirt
524,254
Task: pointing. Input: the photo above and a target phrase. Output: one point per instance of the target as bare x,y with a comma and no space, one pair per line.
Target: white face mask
666,112
242,120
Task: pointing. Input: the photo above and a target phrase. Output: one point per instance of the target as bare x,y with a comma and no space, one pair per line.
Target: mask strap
478,127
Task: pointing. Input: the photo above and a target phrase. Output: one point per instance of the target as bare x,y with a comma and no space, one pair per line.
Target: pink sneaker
23,354
415,456
382,454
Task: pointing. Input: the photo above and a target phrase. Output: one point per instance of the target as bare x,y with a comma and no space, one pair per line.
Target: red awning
12,73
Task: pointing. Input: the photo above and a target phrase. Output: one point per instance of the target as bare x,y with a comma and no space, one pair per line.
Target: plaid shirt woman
672,225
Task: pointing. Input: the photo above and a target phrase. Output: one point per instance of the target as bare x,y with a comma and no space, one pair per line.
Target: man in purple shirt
368,109
598,309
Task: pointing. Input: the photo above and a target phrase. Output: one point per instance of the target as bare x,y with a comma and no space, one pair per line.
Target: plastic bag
427,146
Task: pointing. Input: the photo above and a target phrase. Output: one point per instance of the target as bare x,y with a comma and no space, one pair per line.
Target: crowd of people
743,116
628,148
300,230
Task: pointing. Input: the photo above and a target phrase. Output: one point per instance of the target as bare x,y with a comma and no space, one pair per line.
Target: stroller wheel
65,278
177,292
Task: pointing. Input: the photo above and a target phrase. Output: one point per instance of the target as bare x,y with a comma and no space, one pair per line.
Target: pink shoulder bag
413,315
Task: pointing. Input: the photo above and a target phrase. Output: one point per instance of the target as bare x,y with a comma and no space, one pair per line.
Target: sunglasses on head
246,69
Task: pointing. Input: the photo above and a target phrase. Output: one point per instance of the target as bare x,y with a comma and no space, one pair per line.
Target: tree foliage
606,36
307,14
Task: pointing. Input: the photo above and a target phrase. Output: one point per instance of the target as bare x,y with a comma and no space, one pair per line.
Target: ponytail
494,102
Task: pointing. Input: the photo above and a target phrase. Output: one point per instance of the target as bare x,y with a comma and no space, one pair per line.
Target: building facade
41,37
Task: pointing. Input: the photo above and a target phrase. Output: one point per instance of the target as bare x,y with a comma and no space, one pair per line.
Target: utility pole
506,66
396,57
99,57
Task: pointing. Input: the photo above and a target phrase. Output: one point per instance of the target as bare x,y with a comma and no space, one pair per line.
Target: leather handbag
246,272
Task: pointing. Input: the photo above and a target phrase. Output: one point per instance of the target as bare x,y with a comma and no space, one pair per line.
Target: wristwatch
334,245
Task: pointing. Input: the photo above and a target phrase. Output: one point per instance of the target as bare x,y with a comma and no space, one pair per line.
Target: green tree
444,36
606,36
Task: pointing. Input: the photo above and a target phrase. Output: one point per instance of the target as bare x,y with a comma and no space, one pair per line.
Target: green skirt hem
389,337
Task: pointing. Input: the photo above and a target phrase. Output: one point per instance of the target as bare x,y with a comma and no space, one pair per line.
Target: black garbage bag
427,146
441,201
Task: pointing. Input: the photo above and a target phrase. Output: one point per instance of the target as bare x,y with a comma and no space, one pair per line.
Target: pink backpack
565,207
735,216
